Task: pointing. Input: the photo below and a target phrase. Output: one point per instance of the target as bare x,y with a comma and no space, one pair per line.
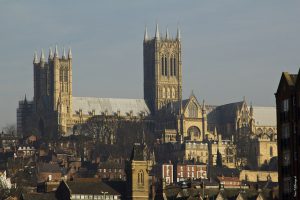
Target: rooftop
110,105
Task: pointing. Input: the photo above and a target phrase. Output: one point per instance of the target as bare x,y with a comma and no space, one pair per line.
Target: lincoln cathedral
54,111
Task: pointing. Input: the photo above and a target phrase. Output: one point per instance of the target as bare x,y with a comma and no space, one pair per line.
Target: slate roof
91,187
111,105
111,165
48,167
39,196
176,105
225,113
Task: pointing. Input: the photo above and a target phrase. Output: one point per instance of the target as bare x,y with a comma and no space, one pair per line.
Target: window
285,131
162,66
66,75
285,105
173,93
193,110
163,93
168,93
271,151
171,66
174,66
166,66
61,75
141,177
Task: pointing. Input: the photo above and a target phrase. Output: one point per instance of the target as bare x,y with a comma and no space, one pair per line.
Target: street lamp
104,193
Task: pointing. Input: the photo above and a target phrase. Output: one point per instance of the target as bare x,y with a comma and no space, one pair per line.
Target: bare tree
101,128
10,129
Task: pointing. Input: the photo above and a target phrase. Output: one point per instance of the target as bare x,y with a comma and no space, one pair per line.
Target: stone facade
253,129
263,149
137,170
255,176
55,111
162,70
226,148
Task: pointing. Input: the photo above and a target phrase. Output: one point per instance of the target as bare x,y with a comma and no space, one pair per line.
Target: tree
9,129
219,159
101,128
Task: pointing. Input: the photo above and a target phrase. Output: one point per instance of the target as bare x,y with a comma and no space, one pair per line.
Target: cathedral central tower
162,70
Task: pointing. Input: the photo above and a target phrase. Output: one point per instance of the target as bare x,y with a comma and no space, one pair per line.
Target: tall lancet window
61,75
174,66
166,66
66,75
193,110
171,66
162,66
141,177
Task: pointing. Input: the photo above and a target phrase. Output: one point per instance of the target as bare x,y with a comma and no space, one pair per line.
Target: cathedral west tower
162,70
53,90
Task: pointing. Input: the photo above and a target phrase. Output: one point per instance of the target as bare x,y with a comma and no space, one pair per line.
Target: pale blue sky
231,48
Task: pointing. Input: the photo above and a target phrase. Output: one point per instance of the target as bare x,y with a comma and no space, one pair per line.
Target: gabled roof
286,78
290,78
176,106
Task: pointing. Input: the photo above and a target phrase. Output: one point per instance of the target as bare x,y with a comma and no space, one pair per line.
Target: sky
230,49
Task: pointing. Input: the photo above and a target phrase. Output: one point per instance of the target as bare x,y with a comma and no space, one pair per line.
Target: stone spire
215,132
42,59
70,53
167,34
146,34
157,33
251,109
50,53
56,52
64,54
25,99
35,58
178,36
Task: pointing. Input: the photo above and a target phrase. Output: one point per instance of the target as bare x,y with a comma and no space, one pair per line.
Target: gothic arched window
174,66
66,75
171,66
166,66
61,75
141,177
168,93
173,93
193,110
162,66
